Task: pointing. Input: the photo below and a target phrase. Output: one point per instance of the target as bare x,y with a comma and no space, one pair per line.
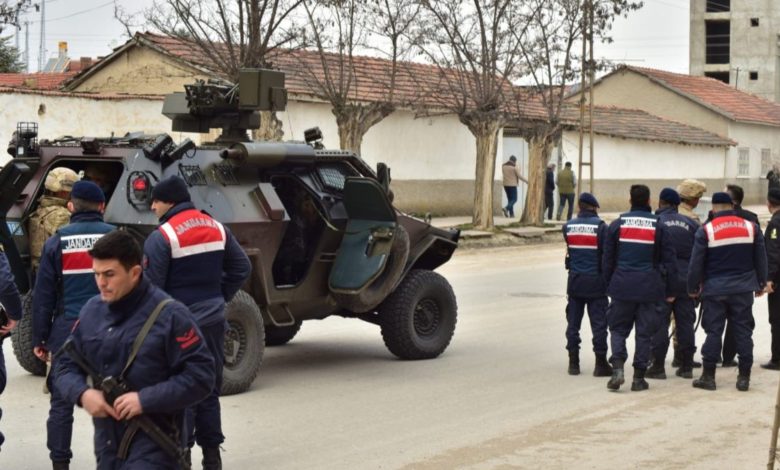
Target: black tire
418,319
244,344
372,295
279,335
21,340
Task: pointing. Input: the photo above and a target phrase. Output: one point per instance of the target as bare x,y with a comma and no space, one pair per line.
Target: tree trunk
354,121
270,127
539,148
350,131
486,133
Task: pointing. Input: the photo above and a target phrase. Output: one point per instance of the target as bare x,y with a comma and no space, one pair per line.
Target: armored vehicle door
368,239
13,179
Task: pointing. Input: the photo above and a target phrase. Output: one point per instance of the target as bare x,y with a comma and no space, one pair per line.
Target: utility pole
42,47
587,74
582,86
592,67
26,46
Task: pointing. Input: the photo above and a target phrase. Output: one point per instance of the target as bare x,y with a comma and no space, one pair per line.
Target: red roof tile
716,95
36,81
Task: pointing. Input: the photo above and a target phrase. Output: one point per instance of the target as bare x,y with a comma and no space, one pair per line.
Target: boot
773,364
686,370
602,369
65,465
617,378
707,379
639,383
657,370
743,381
211,458
677,359
574,363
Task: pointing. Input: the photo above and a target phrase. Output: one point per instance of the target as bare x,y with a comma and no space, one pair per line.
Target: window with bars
743,163
766,161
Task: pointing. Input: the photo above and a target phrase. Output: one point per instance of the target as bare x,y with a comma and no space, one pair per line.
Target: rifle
113,388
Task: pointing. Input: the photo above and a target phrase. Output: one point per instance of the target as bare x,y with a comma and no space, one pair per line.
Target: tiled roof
636,124
37,81
716,95
69,94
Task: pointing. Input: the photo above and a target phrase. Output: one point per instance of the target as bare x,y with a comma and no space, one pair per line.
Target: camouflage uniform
52,212
690,189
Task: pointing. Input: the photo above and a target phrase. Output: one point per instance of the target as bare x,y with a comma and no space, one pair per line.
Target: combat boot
743,381
707,379
602,369
60,465
686,369
211,458
617,378
639,383
656,370
574,363
677,358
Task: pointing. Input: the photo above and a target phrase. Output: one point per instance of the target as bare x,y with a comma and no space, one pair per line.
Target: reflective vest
636,245
729,246
583,244
78,278
197,252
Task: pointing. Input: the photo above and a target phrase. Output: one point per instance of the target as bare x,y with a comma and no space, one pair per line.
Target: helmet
60,179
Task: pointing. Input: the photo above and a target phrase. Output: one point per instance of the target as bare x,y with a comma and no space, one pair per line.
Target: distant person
512,178
567,184
773,177
728,267
585,236
549,190
690,192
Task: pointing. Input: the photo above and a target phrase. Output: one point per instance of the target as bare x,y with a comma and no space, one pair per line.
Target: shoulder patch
188,339
773,235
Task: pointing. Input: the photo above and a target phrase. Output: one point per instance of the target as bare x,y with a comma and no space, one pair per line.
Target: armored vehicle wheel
418,318
279,335
21,339
244,344
374,293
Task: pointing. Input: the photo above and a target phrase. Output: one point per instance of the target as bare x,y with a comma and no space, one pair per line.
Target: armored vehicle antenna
234,108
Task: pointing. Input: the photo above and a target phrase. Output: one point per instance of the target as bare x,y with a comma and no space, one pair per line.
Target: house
751,122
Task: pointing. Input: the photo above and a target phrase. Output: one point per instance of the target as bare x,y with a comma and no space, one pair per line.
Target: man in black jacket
772,239
549,190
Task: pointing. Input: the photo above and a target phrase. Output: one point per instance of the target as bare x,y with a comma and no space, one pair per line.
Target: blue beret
670,195
588,198
171,189
87,191
721,198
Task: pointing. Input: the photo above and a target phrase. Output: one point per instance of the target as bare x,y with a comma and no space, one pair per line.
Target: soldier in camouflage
690,192
52,212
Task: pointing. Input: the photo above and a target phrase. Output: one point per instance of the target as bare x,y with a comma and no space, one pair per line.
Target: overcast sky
655,36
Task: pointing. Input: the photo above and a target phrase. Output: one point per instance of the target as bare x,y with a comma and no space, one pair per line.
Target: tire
244,344
279,335
418,319
373,294
21,340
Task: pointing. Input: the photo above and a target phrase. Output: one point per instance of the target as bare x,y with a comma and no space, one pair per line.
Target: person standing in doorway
512,178
567,183
549,189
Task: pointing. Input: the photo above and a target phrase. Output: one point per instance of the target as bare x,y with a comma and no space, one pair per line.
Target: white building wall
754,138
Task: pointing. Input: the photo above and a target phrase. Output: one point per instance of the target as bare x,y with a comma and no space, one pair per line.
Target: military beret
722,198
588,198
171,189
774,196
87,191
691,189
60,179
670,195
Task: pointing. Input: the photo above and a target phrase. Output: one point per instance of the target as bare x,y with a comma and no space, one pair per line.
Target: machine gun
113,388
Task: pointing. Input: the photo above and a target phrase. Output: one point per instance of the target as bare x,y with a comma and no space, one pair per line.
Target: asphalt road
334,398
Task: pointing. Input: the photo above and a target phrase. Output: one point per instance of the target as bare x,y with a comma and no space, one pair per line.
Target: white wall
620,159
754,137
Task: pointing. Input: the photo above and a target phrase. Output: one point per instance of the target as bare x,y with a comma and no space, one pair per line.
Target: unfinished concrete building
737,42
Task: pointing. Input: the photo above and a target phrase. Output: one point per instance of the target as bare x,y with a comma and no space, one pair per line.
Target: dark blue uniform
635,263
12,303
173,369
728,266
584,236
679,232
197,261
64,283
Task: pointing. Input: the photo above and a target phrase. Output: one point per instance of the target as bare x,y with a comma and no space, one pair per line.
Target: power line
102,5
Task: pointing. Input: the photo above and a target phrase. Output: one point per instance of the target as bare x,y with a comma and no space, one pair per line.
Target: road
499,397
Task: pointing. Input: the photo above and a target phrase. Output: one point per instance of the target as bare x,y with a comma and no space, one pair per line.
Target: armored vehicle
318,225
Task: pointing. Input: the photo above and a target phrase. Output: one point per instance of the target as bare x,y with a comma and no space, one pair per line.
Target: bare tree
361,91
548,46
10,11
474,44
228,34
